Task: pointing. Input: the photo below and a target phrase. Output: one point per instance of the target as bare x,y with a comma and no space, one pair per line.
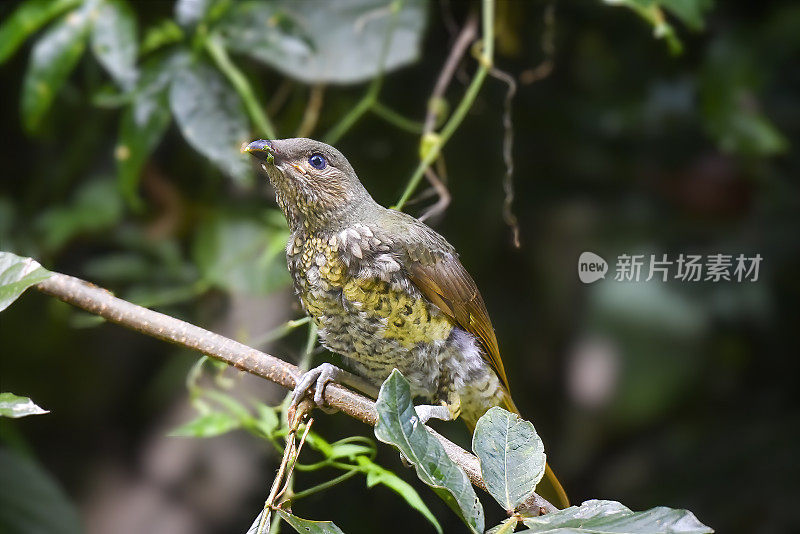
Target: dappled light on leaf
16,275
114,41
26,19
610,517
511,454
15,406
54,56
211,117
690,12
317,42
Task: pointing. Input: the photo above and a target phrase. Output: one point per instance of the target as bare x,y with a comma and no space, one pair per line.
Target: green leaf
114,41
241,255
734,117
16,275
26,19
348,450
378,475
611,517
15,406
143,124
690,12
31,500
211,118
399,425
506,527
306,526
207,426
511,454
267,421
190,12
164,33
234,407
97,206
54,56
335,42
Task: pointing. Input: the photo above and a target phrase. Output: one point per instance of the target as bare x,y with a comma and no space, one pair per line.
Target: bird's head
314,183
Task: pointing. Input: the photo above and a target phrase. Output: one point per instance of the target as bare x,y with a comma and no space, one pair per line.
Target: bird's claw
318,378
446,410
425,412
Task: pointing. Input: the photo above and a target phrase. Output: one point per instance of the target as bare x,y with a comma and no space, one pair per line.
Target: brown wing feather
445,282
448,285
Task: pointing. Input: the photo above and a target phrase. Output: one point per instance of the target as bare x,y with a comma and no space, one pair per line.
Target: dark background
678,394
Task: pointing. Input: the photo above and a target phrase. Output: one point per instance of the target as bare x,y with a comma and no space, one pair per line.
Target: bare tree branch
543,69
441,191
102,302
508,145
311,114
465,38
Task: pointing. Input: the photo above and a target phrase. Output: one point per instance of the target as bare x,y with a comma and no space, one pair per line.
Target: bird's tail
549,487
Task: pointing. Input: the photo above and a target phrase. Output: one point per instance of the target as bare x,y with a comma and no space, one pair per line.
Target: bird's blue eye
317,161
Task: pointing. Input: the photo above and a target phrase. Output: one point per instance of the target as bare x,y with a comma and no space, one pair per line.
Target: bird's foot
318,378
443,412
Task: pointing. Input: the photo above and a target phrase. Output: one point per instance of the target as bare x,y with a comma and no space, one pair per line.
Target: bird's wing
433,266
446,283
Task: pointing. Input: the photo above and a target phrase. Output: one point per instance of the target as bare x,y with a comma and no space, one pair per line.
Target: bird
385,291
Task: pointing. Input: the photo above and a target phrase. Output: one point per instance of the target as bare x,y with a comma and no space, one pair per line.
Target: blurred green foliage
220,412
691,13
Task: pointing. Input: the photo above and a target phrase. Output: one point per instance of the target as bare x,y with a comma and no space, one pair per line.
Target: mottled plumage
385,290
354,283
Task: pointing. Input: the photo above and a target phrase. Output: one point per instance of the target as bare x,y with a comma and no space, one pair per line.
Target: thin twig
508,145
324,485
216,49
438,141
311,114
304,365
374,89
278,332
441,191
266,512
290,453
448,17
543,69
102,302
308,351
465,38
422,196
396,119
280,96
293,461
462,43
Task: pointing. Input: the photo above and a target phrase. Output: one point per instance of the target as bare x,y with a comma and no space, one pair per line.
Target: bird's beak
262,150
